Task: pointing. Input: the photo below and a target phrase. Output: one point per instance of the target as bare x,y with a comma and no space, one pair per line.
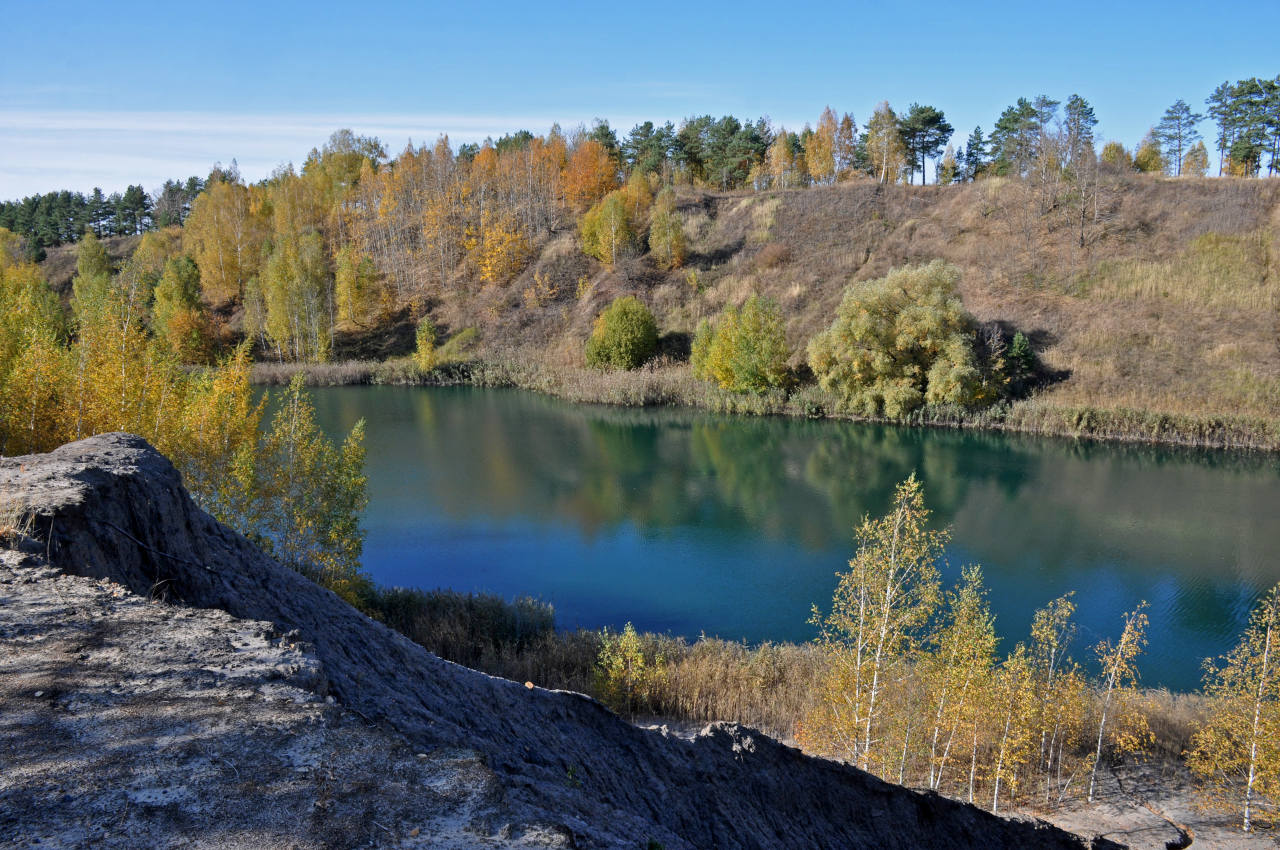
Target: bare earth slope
168,720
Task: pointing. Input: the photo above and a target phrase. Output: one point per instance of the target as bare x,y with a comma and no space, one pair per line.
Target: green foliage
746,350
624,335
290,488
311,494
626,676
297,298
357,287
176,314
425,356
1114,154
93,278
1149,158
457,345
607,230
1021,358
666,232
900,342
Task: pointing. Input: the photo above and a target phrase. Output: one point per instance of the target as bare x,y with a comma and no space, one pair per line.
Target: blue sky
107,94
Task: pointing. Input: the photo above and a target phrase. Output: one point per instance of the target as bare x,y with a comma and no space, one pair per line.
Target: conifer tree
1177,132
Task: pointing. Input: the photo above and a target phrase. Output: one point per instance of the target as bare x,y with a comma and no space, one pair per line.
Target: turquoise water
691,523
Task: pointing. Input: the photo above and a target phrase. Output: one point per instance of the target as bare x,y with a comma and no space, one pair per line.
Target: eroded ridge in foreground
162,681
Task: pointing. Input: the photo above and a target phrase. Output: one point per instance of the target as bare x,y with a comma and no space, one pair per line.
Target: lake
692,523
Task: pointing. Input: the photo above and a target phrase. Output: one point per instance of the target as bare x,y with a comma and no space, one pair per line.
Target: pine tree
1077,126
1177,132
975,155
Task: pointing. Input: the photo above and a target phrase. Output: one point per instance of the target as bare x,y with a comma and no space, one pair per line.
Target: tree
1117,663
623,336
924,131
501,249
1196,161
1148,158
1077,127
176,316
900,342
820,152
746,351
625,676
1015,141
1013,703
1114,154
425,355
298,298
878,611
845,147
313,494
1177,132
338,165
589,174
606,230
647,149
884,145
666,232
224,235
958,666
975,155
89,287
1237,753
358,291
949,168
781,160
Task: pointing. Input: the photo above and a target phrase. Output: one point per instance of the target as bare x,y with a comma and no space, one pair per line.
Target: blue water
691,523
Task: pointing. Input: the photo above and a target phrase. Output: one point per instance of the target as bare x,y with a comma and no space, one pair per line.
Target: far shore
668,383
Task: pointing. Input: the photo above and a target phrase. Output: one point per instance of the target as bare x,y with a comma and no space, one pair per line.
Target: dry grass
1173,718
16,519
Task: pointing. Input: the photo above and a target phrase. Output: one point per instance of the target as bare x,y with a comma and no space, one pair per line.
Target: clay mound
523,765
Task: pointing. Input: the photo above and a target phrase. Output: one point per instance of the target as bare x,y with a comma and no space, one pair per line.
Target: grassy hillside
1154,306
1171,306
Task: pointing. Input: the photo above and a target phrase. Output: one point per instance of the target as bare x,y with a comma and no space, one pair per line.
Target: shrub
1022,360
424,355
746,351
624,336
626,677
900,342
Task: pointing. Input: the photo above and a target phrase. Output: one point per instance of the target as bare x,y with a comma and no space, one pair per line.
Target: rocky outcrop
214,643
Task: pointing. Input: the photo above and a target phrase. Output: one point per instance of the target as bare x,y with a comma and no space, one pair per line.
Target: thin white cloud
46,150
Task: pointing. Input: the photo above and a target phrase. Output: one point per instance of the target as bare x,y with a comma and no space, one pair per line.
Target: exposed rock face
182,695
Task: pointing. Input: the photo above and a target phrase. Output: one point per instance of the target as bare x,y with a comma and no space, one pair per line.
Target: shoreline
670,384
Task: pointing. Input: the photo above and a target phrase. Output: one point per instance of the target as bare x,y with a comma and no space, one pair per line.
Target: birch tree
1237,753
879,609
1119,671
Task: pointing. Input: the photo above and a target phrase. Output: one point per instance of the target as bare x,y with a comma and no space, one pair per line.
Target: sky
112,94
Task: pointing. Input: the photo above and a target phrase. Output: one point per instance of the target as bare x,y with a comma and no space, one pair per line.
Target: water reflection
690,522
